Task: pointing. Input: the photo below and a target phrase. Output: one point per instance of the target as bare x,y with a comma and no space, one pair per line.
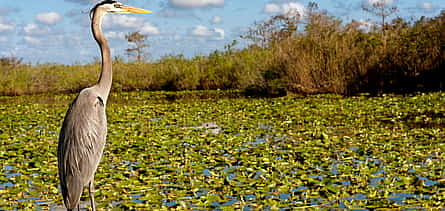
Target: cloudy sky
57,31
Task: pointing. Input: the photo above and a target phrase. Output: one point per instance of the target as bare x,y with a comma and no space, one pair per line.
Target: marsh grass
326,55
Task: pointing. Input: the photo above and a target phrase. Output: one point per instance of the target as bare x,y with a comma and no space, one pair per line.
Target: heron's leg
93,205
78,207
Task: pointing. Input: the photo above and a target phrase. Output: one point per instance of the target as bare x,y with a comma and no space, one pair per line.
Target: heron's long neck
106,75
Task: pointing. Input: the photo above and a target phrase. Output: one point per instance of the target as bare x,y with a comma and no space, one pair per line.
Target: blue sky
57,31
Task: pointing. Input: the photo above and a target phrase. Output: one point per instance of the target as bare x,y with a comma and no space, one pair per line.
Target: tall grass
330,56
315,54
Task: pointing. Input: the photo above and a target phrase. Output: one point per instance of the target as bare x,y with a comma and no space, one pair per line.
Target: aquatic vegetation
320,151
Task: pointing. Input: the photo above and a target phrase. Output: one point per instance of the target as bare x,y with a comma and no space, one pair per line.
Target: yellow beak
135,10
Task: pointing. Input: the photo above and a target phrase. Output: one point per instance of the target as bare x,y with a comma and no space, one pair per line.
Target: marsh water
218,150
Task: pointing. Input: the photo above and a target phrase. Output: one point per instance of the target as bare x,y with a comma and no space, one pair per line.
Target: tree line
288,53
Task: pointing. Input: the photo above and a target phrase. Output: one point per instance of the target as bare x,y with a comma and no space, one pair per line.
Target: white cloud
6,25
123,21
34,29
48,18
292,8
132,22
30,28
426,5
31,40
210,34
272,8
3,39
365,24
115,35
196,3
216,20
220,32
385,2
149,28
201,31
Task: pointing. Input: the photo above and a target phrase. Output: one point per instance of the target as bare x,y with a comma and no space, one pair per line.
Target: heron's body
81,144
84,129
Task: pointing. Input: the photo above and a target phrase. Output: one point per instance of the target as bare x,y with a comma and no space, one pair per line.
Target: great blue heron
84,129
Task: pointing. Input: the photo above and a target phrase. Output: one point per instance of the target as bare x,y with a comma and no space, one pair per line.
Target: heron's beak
134,10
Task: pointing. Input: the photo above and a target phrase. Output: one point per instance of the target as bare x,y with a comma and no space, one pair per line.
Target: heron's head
115,7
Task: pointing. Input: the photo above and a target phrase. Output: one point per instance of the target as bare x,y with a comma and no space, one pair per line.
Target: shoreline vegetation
288,54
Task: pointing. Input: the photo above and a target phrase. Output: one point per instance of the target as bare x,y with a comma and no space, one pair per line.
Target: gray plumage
81,143
84,129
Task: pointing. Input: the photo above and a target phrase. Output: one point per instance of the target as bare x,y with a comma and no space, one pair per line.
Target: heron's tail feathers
72,191
78,208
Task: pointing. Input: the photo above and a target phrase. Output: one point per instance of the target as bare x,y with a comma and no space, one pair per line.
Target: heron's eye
117,5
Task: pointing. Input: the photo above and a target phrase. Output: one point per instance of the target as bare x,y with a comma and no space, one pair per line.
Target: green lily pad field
219,150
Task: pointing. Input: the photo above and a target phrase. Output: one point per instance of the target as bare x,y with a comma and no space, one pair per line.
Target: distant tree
281,27
10,61
138,52
275,29
118,59
383,10
229,47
